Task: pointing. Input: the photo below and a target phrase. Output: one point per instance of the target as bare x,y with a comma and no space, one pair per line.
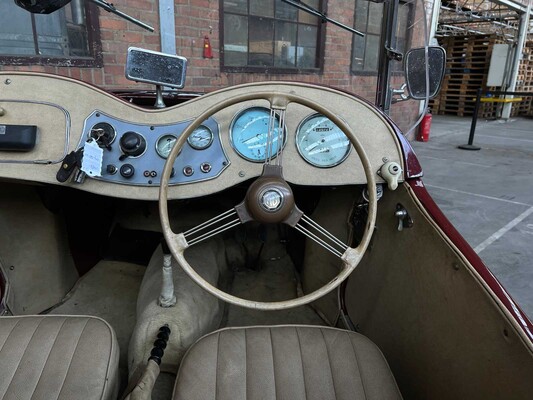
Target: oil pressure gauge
321,143
201,138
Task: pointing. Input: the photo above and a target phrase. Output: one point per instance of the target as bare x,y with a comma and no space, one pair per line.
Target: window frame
275,70
410,20
95,48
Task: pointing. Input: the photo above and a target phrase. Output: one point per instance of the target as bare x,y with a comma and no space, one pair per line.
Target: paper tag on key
93,156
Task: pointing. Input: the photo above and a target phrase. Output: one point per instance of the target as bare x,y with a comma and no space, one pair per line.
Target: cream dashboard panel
60,108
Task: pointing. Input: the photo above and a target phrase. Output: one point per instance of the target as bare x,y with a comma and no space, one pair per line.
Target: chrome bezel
103,122
237,116
157,143
201,147
300,152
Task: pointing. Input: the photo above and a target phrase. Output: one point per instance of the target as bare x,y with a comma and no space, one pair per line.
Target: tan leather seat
284,362
57,357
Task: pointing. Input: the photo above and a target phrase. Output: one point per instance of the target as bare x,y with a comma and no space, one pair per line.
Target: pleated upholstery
284,363
57,357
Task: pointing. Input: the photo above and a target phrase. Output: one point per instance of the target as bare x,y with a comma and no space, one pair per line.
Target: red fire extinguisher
424,128
208,52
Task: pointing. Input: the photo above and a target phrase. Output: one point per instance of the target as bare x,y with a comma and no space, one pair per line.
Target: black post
470,145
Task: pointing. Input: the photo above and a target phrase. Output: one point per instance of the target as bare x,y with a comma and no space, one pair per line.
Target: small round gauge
321,143
201,138
164,145
249,133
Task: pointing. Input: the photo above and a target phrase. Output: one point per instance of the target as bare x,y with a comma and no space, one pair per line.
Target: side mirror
43,6
157,68
415,71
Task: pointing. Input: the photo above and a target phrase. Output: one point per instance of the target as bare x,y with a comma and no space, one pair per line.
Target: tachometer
201,138
321,143
164,145
249,131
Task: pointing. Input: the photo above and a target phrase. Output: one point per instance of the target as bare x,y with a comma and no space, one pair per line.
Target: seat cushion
284,362
57,357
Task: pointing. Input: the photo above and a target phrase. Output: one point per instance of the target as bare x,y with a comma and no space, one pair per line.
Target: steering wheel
269,199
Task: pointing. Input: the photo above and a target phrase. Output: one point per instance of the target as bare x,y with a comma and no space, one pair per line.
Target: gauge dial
321,143
164,145
249,131
201,138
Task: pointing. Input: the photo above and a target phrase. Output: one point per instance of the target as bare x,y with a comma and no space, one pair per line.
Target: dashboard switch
127,171
205,167
188,170
111,169
132,144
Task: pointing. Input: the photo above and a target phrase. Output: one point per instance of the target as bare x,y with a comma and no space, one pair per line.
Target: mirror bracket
402,92
394,54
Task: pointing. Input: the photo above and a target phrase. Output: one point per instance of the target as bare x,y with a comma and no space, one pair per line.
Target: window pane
358,53
238,6
374,18
285,44
60,34
261,41
235,40
264,8
307,46
361,15
307,18
52,33
306,57
16,36
285,11
307,35
371,53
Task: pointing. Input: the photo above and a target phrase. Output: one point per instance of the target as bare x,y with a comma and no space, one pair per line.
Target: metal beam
167,26
512,5
522,33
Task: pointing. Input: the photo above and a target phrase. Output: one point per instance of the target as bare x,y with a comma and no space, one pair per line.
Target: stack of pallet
467,66
524,81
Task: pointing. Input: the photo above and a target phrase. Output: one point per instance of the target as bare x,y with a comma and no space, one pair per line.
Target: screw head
7,81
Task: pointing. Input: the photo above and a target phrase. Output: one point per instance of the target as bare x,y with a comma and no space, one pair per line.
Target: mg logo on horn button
271,199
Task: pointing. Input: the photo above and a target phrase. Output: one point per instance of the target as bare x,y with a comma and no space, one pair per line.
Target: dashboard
227,148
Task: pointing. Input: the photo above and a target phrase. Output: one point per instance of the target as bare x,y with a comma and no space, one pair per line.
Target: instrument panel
135,141
135,154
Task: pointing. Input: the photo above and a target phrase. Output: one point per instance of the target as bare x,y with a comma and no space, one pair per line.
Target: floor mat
109,291
276,280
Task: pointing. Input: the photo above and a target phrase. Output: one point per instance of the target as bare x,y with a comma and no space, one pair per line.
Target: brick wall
198,18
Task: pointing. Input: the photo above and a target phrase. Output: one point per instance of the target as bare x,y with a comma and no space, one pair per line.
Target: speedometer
249,132
321,143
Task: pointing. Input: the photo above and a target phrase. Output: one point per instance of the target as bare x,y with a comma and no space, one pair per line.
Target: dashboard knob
127,171
132,144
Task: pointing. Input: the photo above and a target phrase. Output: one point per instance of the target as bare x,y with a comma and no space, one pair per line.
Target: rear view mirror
157,68
415,71
42,6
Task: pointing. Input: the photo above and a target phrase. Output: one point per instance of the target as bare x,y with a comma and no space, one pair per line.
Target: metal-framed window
68,37
368,19
270,36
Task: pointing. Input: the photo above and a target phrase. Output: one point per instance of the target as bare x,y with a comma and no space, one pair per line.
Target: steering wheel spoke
212,227
321,236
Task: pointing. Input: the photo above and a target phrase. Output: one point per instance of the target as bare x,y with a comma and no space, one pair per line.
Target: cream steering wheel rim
178,244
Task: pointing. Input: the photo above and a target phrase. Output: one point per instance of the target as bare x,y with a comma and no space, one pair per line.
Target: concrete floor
487,194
